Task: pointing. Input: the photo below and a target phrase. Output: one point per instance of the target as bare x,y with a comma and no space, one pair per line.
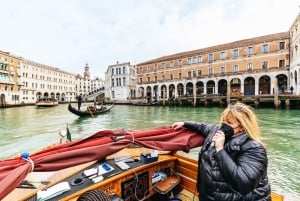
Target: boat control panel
124,179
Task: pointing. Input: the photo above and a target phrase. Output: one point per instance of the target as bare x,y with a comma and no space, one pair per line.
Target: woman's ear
241,129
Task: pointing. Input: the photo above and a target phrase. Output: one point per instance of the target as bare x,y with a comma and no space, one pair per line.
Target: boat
90,111
144,104
46,102
125,164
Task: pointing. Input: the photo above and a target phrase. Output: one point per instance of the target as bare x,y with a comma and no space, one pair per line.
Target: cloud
67,34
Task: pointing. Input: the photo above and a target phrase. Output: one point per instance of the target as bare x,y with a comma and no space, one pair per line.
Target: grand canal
29,129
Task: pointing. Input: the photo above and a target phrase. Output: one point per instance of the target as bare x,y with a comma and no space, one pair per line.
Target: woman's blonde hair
245,116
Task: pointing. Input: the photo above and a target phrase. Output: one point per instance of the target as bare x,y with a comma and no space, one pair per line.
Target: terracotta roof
226,46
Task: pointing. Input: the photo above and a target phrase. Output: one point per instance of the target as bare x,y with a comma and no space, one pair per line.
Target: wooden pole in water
228,93
276,99
195,93
164,94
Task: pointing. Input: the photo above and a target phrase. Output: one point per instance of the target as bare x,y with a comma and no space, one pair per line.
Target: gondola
144,104
90,110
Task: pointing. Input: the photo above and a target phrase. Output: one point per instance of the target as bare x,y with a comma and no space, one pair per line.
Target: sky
68,34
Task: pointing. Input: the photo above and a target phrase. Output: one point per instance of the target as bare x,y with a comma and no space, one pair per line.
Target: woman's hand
219,140
177,125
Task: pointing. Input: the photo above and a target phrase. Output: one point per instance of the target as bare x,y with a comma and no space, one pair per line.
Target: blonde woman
233,162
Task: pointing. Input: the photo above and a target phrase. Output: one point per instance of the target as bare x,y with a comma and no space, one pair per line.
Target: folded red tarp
95,147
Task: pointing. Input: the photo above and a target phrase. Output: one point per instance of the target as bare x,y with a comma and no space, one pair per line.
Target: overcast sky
67,34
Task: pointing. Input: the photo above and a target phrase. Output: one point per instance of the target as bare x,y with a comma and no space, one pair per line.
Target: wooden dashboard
117,184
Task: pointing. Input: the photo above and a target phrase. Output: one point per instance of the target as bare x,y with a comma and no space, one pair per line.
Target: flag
69,137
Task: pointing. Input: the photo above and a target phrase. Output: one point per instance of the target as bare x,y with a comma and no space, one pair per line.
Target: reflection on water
29,129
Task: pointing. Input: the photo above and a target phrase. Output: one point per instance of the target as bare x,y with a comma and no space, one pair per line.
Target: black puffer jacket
236,173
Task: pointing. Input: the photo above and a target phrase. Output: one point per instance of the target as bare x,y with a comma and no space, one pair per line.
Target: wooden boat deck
184,167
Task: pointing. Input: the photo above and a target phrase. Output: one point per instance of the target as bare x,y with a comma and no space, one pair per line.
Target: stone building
120,84
255,66
10,79
294,74
43,81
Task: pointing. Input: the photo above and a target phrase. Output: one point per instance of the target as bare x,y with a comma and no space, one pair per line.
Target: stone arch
210,87
180,89
2,99
222,87
148,94
200,88
45,95
155,92
235,87
172,91
189,89
282,83
264,84
163,91
141,92
57,96
249,86
38,95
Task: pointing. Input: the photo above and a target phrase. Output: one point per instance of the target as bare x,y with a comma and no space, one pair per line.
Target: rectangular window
210,71
179,62
194,60
265,48
179,75
148,79
189,61
171,63
112,83
163,65
148,68
250,51
194,74
210,58
155,78
222,70
282,45
249,66
163,78
235,68
199,72
264,65
281,63
235,53
141,70
171,76
155,67
222,55
200,59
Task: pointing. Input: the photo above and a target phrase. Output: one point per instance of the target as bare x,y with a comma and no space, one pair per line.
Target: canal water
27,129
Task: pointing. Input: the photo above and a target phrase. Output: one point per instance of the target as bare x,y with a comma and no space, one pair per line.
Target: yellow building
250,67
10,79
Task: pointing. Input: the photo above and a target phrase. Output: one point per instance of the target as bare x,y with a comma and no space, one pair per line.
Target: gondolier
79,101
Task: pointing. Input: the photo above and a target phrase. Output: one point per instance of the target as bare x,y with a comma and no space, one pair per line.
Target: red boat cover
95,147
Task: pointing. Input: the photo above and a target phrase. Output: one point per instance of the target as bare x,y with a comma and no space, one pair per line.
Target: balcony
4,71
